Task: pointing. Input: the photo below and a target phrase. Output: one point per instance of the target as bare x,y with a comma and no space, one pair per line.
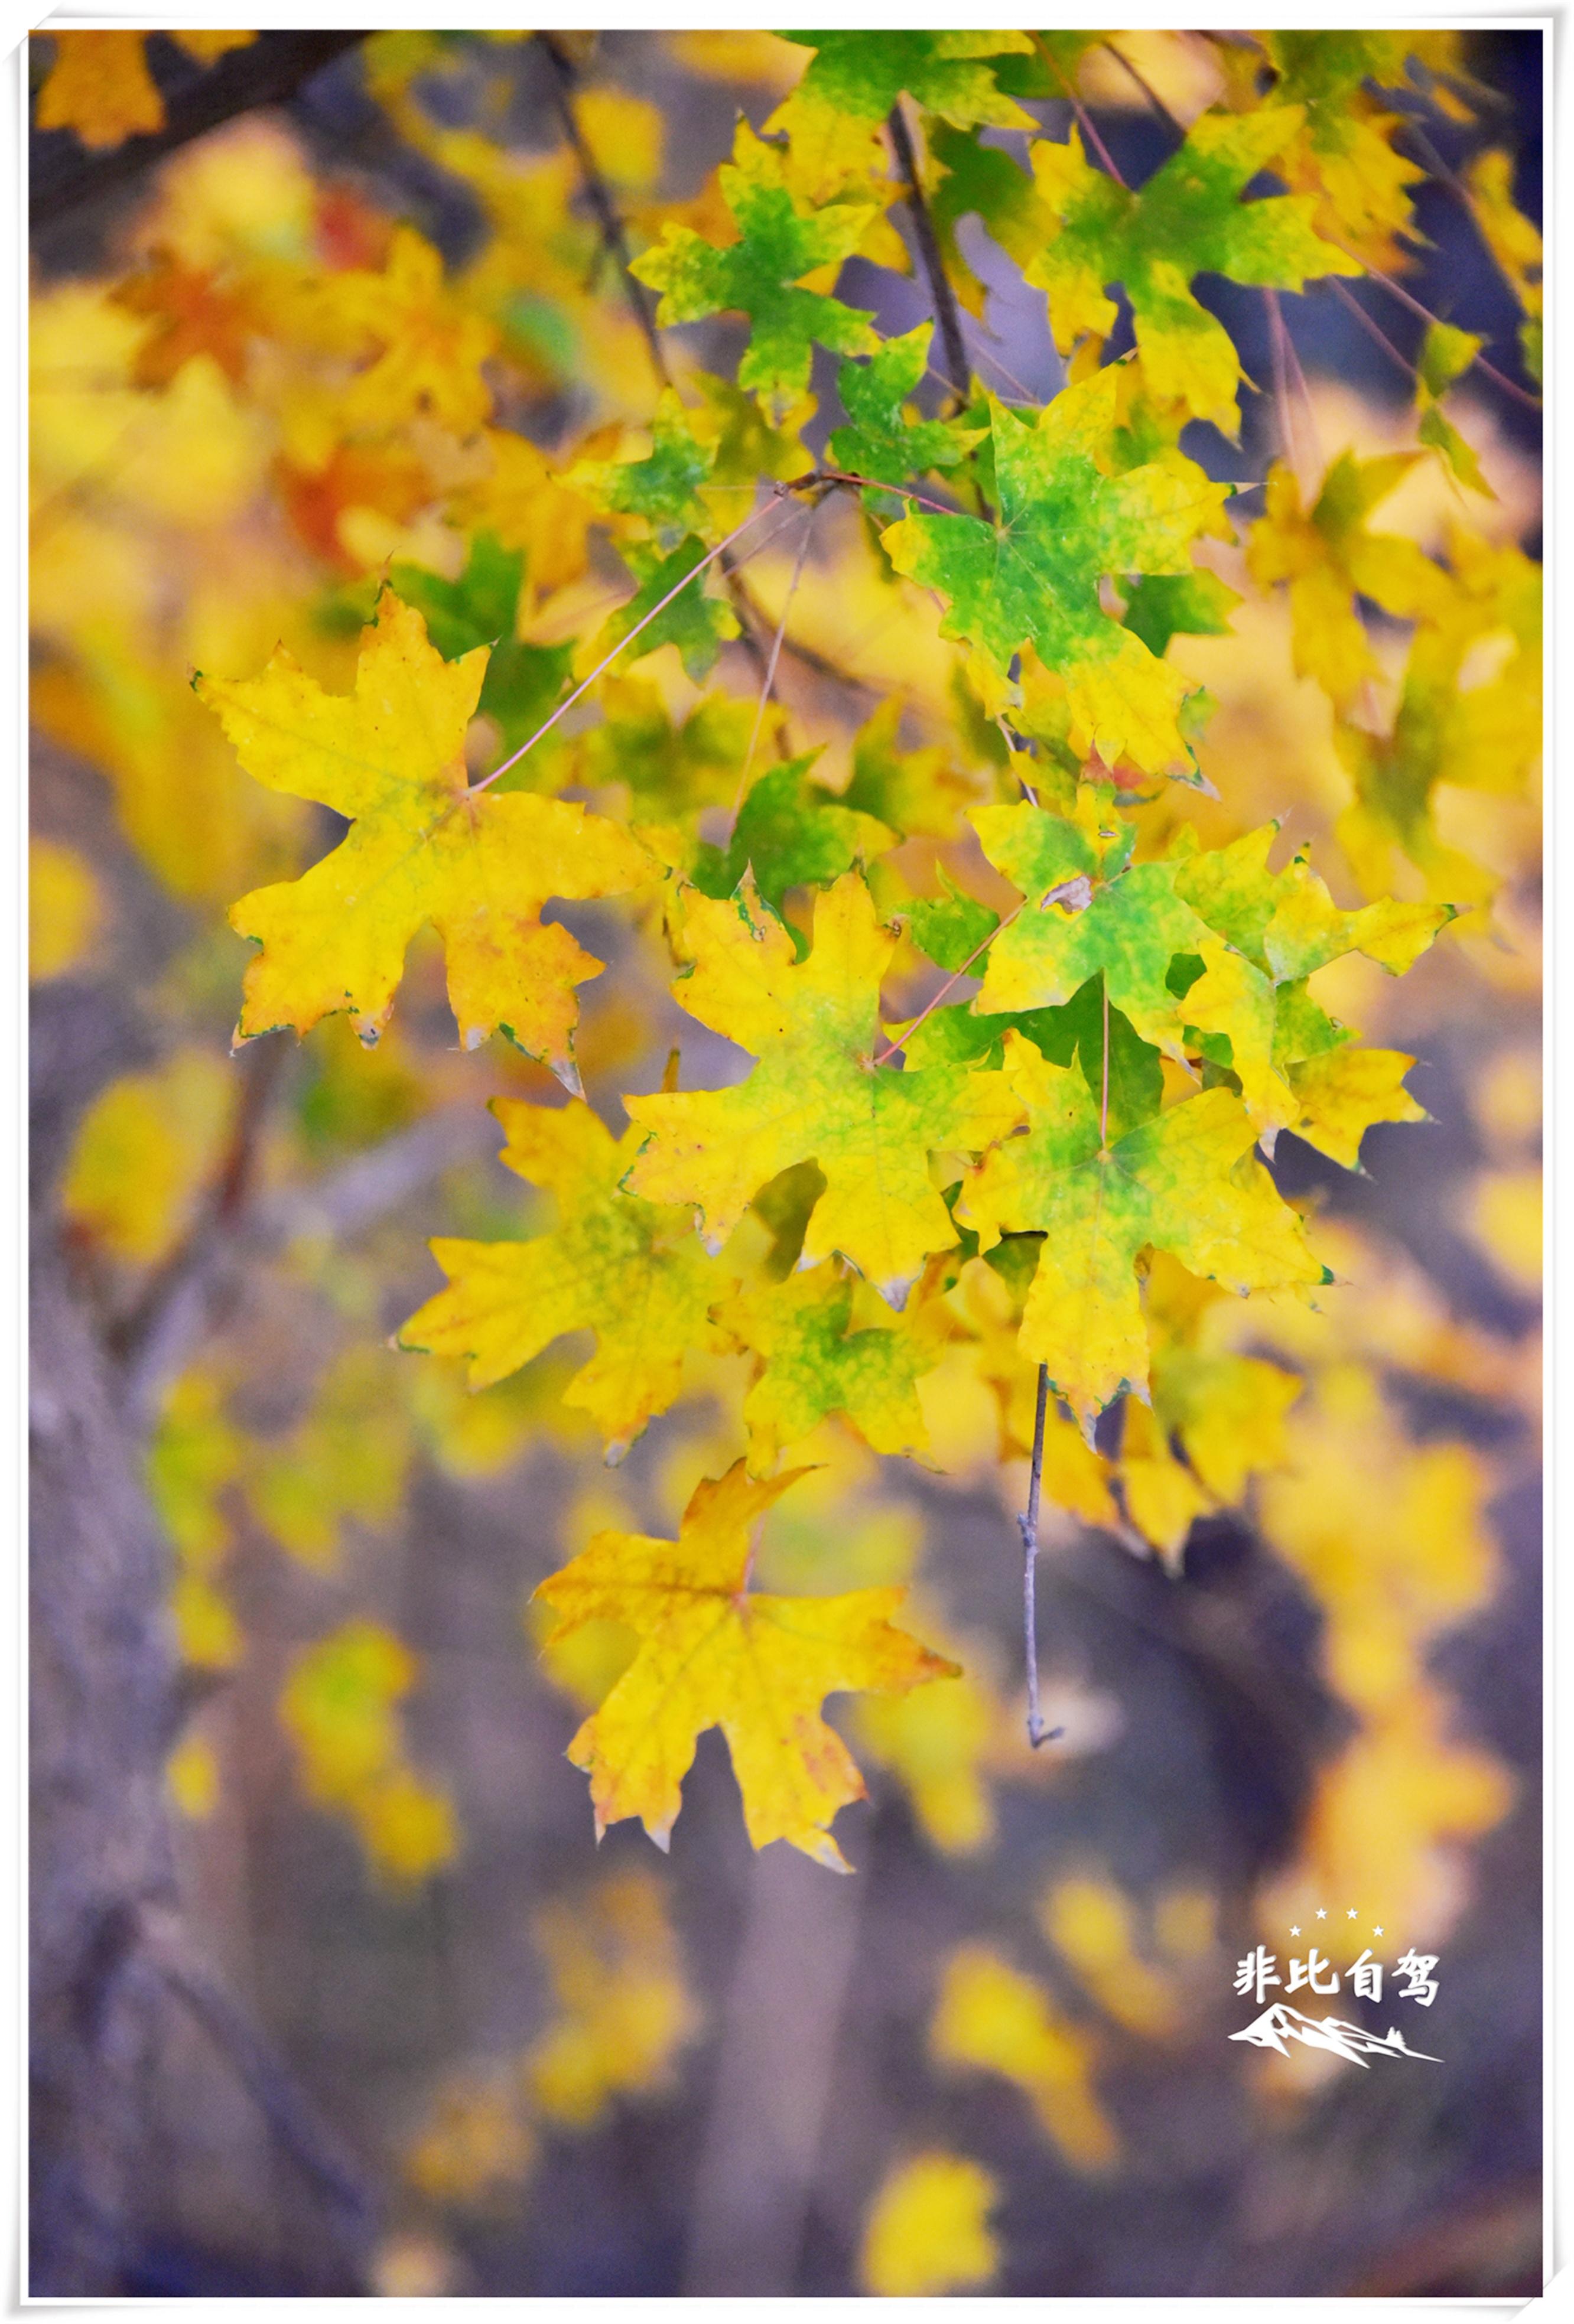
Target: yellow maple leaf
99,84
423,847
712,1653
634,1272
817,1093
928,2231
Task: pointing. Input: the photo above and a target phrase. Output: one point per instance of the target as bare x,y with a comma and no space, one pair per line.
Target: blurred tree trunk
101,1696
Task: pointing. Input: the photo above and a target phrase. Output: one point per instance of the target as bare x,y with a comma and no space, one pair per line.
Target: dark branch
64,174
957,368
599,193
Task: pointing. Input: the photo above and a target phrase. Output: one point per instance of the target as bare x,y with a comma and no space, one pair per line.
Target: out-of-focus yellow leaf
191,1775
928,2231
474,2144
147,1147
1089,1922
624,2010
1505,1215
992,2017
65,909
339,1706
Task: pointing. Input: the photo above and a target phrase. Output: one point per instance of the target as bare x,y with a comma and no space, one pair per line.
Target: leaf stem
882,1056
769,679
1027,1525
928,251
1373,329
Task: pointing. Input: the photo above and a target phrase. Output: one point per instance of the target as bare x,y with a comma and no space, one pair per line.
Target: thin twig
900,1041
1288,445
1406,299
564,78
928,251
769,680
1147,88
1373,329
1084,118
314,2148
1027,1525
643,622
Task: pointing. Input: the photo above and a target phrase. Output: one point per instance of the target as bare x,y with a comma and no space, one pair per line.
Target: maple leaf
633,1272
481,608
1328,557
816,1095
1342,149
879,439
864,74
1339,1095
1486,737
1032,578
1088,912
790,833
99,84
761,274
696,625
432,345
811,1363
1514,241
714,1653
421,848
1185,1182
1281,927
662,489
1188,219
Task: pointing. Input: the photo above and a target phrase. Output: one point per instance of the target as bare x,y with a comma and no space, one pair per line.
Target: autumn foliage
903,859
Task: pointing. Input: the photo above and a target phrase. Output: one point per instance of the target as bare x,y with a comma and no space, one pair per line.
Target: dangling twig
882,1056
1085,119
1027,1525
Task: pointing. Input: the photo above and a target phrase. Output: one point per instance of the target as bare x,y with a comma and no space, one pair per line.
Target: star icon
1295,1931
1320,1914
1377,1931
1351,1914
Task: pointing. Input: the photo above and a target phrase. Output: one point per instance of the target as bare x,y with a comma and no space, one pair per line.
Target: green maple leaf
698,624
880,441
523,682
1185,1182
1032,578
761,274
1165,606
790,832
1131,1094
633,1272
1279,928
664,487
1088,911
1188,219
864,74
816,1095
811,1363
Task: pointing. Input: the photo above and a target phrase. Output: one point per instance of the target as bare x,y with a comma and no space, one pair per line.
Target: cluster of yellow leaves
622,2015
340,1708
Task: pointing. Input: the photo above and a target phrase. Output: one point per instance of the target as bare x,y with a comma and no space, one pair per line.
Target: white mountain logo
1279,2024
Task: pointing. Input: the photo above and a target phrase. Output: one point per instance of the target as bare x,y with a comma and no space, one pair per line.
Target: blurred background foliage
1301,1674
